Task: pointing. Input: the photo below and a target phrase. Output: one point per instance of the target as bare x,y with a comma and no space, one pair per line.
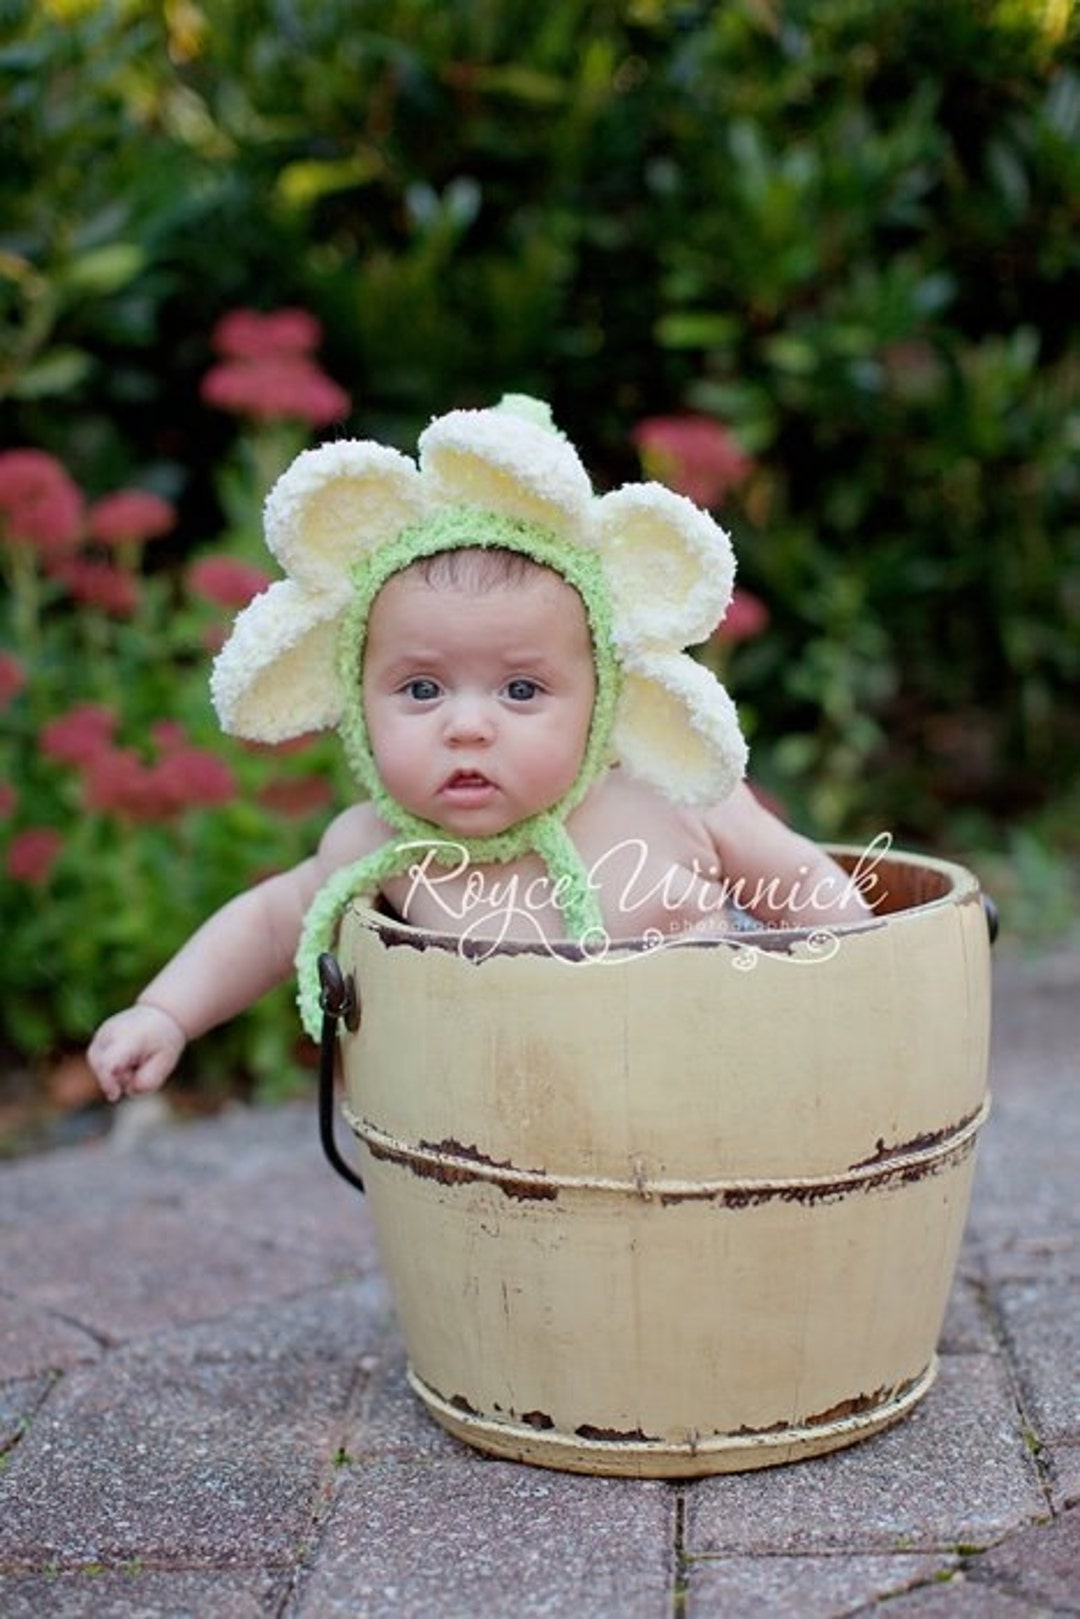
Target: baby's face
478,704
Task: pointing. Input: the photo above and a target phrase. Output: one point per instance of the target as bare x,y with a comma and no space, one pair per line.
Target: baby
481,705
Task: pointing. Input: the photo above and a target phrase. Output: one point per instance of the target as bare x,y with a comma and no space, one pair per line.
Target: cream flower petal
670,567
336,502
276,676
506,462
677,728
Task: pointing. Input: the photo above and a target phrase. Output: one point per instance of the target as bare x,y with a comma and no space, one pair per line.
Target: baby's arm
781,877
240,953
237,955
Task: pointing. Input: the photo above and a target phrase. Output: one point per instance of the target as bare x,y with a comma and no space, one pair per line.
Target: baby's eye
521,690
422,690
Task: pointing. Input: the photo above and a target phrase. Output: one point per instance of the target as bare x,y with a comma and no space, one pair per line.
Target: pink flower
117,781
244,334
12,677
692,454
267,371
226,581
192,778
130,517
276,388
99,584
77,737
168,735
9,800
40,506
32,854
746,618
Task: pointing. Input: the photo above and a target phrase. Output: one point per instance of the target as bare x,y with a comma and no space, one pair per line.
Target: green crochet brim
456,528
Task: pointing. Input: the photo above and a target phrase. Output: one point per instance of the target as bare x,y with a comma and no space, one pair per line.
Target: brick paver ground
203,1411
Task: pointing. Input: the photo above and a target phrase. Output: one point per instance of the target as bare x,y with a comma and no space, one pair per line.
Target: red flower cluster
40,506
692,454
127,518
267,371
274,389
131,517
97,583
79,736
226,581
32,854
120,781
244,334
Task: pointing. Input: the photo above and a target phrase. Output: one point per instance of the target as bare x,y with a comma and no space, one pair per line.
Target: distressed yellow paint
679,1212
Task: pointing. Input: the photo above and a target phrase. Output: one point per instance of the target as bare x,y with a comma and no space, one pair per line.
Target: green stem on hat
537,411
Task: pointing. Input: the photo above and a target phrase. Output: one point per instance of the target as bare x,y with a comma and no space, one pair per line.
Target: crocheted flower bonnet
654,572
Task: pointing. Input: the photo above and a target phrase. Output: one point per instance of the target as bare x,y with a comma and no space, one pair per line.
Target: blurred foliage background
846,230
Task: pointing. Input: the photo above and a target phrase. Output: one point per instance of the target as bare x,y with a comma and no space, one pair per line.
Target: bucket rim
959,885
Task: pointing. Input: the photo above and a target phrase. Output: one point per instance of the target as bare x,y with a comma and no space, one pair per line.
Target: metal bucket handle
337,997
993,920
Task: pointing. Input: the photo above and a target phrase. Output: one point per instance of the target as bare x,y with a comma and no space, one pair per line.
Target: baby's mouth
463,784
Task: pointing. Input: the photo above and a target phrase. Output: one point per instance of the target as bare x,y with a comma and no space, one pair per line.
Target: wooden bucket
679,1211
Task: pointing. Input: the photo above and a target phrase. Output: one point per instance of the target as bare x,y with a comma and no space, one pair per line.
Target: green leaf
522,83
792,354
57,372
103,270
697,329
302,183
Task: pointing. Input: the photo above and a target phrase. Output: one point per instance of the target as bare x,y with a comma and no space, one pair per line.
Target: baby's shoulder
353,835
622,806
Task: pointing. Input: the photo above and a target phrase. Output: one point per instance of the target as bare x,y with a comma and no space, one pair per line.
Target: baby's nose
469,719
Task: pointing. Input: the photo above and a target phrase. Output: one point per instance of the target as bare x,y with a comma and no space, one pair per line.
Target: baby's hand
135,1051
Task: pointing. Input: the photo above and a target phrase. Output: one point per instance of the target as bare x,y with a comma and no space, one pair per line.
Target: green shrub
125,816
846,229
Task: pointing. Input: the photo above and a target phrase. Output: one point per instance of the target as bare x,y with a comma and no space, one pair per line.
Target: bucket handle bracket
993,920
340,1003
